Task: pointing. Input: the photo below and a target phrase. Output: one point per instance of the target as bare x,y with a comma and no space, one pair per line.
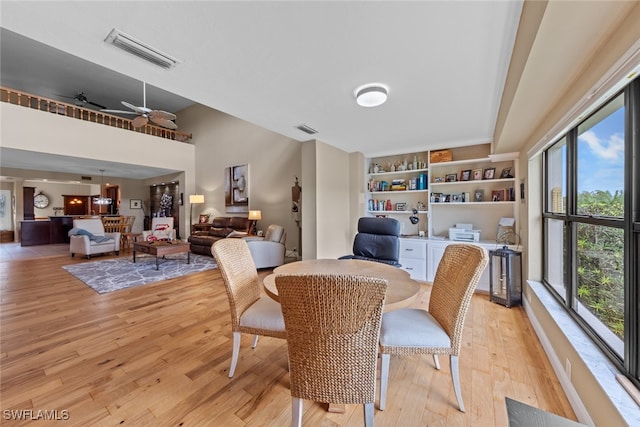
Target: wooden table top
402,290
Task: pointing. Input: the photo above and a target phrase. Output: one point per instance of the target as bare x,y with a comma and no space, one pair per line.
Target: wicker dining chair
439,330
333,327
252,311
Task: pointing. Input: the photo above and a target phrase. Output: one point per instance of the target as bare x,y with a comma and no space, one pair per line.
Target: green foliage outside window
600,259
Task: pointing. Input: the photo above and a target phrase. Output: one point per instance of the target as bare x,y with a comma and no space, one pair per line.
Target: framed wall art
236,188
135,204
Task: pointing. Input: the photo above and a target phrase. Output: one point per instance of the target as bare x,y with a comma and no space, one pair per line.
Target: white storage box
462,235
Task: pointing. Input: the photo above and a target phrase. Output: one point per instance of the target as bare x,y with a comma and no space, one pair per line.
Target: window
590,251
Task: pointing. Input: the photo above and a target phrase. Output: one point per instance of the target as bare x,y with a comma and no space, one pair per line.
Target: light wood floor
159,355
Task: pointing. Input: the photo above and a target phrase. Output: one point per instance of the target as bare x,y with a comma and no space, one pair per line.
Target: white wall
326,201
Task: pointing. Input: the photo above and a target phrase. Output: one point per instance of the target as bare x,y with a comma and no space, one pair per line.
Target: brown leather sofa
221,228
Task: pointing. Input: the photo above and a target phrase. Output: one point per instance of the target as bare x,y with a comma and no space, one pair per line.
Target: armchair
161,229
268,251
87,237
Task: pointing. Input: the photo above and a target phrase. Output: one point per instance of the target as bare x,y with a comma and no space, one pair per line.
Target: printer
464,233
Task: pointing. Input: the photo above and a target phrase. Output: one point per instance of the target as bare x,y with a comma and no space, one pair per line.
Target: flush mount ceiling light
371,95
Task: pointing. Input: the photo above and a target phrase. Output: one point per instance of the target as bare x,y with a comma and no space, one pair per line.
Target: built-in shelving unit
475,187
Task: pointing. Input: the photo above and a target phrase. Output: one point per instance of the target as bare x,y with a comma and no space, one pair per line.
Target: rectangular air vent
306,129
85,178
136,47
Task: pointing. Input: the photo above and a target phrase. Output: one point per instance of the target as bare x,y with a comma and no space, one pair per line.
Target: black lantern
505,276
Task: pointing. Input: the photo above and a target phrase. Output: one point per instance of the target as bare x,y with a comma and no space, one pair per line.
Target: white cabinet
413,257
435,251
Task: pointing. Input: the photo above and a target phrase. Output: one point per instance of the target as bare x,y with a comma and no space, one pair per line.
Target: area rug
121,273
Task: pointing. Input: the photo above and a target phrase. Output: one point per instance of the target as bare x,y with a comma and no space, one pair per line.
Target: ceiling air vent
136,47
306,129
85,178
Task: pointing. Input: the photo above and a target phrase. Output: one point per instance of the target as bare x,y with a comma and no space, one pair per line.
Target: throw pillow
162,231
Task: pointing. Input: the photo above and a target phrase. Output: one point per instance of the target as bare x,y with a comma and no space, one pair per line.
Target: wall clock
40,201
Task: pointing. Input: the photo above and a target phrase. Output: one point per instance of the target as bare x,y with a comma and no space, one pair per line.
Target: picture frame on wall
135,204
236,188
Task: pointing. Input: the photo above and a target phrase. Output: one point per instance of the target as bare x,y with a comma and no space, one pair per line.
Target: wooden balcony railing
49,105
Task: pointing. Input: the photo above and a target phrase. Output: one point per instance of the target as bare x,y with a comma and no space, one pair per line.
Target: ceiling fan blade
163,122
159,114
141,110
140,121
118,111
102,107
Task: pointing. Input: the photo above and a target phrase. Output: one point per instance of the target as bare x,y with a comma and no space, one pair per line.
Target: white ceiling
281,64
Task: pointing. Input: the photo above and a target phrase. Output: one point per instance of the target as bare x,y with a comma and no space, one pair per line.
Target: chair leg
368,414
235,353
455,377
296,412
384,379
255,341
436,361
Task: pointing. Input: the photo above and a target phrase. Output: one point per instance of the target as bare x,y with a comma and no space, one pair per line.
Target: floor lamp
194,199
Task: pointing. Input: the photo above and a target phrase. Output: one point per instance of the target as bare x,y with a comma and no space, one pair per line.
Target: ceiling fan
159,117
81,100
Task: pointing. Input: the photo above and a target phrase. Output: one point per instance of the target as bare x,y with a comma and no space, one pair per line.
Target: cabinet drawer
417,268
413,249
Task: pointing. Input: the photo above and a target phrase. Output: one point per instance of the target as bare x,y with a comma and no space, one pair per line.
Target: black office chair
377,240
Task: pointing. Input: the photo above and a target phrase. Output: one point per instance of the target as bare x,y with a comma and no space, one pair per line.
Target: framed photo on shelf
451,177
506,173
439,179
465,175
489,173
401,206
135,204
477,174
478,195
499,195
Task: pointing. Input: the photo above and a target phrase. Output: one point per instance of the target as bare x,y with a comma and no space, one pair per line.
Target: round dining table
402,290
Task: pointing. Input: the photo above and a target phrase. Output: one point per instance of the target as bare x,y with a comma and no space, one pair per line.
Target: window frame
629,364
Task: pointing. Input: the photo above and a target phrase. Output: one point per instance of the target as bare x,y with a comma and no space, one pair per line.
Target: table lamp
255,216
194,199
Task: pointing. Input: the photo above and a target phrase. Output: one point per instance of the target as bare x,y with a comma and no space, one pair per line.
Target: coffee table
160,249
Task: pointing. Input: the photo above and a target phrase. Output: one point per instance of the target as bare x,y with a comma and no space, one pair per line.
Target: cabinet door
435,251
413,258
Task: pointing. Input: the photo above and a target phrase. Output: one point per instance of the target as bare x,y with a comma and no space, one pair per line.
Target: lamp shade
255,215
196,198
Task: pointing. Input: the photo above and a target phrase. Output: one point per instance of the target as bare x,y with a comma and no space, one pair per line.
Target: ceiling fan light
371,95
